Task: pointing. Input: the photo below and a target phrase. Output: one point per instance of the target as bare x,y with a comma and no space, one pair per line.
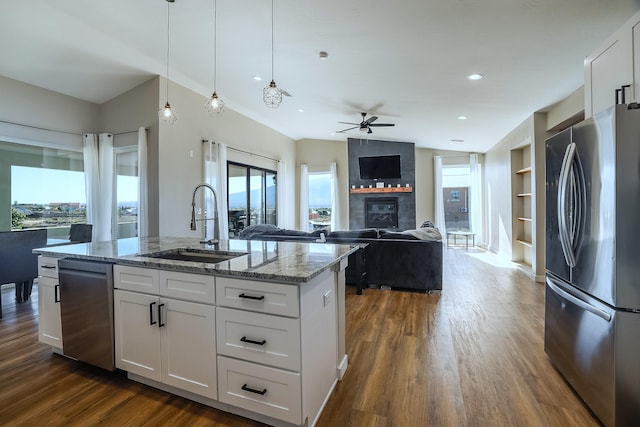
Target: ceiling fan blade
349,123
285,93
371,120
383,124
344,130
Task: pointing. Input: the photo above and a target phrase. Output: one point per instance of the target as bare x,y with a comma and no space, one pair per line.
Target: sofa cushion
365,233
397,235
255,230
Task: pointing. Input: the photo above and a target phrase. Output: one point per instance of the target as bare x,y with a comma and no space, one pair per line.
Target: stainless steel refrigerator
592,307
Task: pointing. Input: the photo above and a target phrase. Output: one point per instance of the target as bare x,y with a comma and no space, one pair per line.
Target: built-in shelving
382,190
524,242
522,209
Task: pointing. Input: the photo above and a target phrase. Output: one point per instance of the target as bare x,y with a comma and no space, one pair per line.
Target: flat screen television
380,167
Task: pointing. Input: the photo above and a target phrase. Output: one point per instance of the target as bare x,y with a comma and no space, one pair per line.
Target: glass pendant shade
272,95
166,115
214,105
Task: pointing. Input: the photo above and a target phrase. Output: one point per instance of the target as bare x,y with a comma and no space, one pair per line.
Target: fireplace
381,212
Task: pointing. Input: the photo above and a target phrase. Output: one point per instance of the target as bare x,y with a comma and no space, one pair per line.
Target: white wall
34,107
180,160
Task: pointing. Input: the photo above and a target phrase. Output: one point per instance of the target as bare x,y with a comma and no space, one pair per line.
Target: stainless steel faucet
216,224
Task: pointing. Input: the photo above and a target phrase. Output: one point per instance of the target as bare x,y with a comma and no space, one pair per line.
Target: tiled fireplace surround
406,204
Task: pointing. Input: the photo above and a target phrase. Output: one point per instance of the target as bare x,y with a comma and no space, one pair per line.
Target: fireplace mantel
382,190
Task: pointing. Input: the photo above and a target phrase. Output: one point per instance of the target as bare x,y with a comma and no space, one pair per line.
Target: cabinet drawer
273,298
48,266
145,280
257,337
268,391
188,286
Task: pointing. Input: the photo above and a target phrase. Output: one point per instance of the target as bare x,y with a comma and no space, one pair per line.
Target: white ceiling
405,61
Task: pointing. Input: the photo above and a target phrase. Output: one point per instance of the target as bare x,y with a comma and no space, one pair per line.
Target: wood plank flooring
472,356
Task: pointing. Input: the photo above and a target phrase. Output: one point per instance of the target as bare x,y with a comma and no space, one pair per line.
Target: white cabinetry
277,346
168,340
614,64
49,322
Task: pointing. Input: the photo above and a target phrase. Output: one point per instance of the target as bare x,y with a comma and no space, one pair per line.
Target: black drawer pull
56,293
247,340
49,267
253,390
260,298
151,321
160,324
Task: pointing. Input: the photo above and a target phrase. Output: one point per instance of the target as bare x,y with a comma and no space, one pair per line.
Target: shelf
521,218
524,170
525,243
382,190
524,195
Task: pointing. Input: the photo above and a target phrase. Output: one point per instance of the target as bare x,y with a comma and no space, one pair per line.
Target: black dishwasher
86,310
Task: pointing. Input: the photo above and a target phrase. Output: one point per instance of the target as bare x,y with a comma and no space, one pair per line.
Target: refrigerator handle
565,238
577,301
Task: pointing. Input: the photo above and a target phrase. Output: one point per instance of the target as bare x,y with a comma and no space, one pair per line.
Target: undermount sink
195,255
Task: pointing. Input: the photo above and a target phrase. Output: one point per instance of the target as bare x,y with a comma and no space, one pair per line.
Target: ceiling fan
364,125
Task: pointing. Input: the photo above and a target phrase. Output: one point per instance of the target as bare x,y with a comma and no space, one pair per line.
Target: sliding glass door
252,196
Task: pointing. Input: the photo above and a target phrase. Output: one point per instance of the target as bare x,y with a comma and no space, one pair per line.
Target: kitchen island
255,328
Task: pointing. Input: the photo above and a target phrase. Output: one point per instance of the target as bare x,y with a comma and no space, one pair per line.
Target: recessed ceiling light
300,110
475,76
462,117
256,78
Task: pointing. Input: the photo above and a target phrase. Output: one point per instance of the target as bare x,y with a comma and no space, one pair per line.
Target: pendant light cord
272,40
168,43
215,43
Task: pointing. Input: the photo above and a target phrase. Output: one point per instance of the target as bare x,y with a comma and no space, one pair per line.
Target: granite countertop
266,260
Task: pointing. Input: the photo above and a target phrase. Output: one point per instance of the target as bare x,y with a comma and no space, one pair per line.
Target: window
252,195
455,183
45,188
320,205
126,192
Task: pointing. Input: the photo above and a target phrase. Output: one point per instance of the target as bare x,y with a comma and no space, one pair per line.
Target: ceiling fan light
167,115
364,129
272,95
214,105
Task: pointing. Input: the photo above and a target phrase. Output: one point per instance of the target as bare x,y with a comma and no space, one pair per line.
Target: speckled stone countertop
265,260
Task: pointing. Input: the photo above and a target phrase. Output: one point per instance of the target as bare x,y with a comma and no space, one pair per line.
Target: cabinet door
605,71
189,346
137,334
49,324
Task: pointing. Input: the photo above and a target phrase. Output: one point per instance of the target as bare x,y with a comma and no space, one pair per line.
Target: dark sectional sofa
391,259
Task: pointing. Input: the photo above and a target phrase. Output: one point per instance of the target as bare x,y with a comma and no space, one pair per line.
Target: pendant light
214,105
272,94
166,114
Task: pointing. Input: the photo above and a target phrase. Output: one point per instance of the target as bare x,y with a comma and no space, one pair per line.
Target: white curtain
335,199
283,206
98,176
91,178
215,174
143,208
438,198
304,197
475,197
104,225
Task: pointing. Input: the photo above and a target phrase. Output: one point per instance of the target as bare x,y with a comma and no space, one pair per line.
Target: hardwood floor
472,356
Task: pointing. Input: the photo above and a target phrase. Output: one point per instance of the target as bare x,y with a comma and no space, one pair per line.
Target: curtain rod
130,131
62,131
247,152
40,128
